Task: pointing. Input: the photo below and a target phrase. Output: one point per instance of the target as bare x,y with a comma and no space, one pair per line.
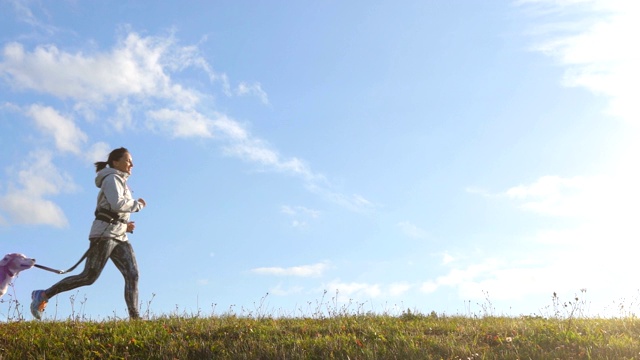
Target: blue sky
374,156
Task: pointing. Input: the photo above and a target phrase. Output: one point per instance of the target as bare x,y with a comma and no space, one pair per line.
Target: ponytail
100,165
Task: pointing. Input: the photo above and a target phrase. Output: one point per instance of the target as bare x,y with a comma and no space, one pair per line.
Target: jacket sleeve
119,196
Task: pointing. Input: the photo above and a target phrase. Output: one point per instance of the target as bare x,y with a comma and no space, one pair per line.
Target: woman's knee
89,277
132,276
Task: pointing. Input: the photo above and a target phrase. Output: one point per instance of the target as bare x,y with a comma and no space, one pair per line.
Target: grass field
328,333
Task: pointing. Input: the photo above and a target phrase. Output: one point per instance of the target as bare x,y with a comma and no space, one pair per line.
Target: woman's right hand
141,200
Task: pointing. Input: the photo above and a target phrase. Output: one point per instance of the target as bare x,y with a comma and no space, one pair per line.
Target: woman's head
119,159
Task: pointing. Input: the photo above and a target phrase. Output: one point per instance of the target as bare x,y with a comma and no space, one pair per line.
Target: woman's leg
97,257
125,260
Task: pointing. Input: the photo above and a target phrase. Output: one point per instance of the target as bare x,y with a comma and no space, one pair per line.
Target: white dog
10,266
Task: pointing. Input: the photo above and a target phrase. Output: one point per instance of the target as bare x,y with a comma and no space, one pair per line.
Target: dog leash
84,256
102,215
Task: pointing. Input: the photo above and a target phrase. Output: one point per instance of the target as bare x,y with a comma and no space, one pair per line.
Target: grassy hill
328,332
408,336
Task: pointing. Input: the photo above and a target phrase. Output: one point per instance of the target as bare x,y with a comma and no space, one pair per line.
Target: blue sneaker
38,303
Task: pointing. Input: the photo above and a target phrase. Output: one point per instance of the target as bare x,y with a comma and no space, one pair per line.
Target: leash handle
49,269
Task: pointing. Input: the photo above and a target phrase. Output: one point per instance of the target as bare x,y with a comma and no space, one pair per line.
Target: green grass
328,332
408,336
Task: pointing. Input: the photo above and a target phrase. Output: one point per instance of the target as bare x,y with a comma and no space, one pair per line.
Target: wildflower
508,339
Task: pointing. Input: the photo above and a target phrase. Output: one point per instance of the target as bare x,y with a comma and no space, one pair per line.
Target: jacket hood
100,175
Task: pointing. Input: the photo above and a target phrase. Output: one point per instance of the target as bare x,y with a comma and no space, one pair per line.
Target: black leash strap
112,219
84,256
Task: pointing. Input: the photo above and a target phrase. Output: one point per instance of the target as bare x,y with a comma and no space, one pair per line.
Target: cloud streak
592,41
133,68
313,270
597,49
135,80
411,230
25,201
67,136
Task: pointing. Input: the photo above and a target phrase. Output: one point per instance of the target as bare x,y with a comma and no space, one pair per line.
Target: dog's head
14,263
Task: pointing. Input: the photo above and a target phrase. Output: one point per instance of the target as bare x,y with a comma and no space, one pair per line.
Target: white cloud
354,202
429,287
97,152
353,289
25,14
597,213
25,208
299,215
602,199
258,151
399,289
26,203
179,124
253,89
240,143
135,77
314,270
447,259
554,195
230,129
580,258
134,67
603,231
502,279
123,117
412,230
68,137
597,49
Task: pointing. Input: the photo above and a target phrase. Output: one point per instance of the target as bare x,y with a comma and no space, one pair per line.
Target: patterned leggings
101,250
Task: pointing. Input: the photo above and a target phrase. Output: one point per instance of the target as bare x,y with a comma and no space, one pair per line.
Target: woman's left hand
131,225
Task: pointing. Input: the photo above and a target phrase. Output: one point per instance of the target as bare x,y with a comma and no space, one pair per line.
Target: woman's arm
119,197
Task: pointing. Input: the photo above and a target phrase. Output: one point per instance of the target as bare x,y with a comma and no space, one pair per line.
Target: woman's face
124,164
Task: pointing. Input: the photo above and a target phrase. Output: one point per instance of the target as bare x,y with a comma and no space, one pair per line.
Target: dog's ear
5,260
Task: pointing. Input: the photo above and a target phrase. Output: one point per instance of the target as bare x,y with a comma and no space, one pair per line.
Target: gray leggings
101,250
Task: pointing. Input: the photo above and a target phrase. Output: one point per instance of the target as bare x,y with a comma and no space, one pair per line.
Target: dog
10,266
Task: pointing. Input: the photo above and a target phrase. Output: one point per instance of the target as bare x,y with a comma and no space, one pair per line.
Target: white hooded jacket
114,196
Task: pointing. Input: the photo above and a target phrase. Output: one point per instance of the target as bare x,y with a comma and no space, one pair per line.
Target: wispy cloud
347,290
180,123
299,215
134,86
127,70
557,196
25,14
313,270
68,137
411,230
592,41
596,48
399,289
354,202
25,201
253,89
299,210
